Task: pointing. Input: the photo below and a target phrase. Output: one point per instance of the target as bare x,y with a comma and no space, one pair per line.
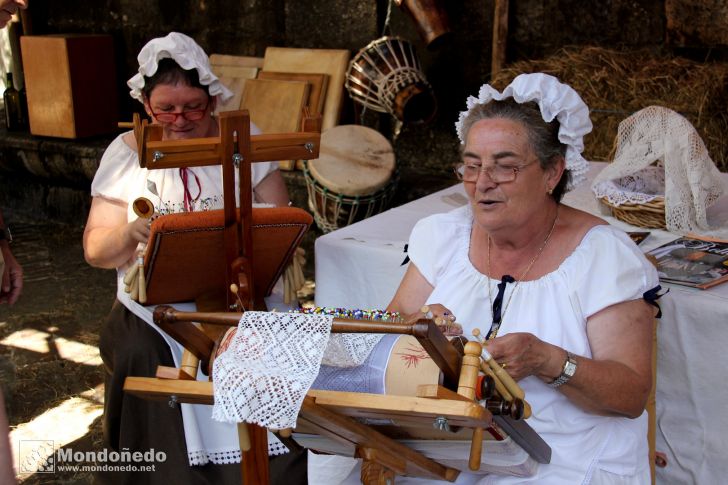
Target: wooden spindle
466,388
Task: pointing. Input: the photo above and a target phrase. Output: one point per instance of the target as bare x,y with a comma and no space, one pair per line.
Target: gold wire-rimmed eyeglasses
500,174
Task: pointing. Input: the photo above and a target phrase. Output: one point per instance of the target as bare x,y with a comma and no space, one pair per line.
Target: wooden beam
500,37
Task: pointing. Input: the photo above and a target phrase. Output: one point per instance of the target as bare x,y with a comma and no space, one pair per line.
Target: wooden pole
500,37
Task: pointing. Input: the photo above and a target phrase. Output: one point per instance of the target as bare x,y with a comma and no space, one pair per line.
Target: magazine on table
691,261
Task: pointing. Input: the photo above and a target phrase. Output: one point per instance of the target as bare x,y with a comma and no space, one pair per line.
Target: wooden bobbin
134,289
143,207
506,379
142,282
131,274
503,391
498,384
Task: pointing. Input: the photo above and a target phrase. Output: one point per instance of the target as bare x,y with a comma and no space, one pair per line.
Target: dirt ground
49,367
50,370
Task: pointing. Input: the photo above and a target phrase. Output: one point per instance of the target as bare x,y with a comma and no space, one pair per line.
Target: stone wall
425,153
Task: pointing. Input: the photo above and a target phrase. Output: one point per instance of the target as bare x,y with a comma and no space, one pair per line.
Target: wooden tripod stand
235,150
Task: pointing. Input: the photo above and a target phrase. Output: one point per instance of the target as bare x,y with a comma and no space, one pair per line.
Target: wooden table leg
255,462
374,469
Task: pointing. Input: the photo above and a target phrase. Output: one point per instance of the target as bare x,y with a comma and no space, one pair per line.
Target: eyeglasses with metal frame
500,174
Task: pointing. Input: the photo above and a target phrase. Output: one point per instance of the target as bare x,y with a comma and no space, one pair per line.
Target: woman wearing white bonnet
565,300
179,91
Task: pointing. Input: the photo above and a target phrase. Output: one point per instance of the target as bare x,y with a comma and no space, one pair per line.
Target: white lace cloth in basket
272,361
684,175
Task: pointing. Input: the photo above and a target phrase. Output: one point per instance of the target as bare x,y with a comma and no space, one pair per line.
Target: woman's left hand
442,316
520,354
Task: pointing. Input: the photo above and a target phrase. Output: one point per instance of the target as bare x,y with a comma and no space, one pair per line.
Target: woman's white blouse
606,268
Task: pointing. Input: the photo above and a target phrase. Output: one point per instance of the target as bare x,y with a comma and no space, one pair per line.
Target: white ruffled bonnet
185,52
556,100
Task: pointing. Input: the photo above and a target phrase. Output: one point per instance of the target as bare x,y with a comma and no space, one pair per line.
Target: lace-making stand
332,414
235,149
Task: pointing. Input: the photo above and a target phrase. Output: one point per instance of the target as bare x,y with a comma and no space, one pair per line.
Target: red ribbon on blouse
188,199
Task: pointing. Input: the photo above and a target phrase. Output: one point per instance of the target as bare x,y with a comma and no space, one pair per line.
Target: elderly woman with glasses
179,92
563,298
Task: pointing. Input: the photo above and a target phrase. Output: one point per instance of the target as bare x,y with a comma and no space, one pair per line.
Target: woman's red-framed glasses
190,115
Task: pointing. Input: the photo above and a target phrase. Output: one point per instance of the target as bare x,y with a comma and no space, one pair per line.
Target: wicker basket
650,214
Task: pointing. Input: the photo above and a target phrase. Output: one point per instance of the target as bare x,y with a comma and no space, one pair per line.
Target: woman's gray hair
542,136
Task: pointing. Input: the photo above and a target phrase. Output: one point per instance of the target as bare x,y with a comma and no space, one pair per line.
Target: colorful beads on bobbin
355,314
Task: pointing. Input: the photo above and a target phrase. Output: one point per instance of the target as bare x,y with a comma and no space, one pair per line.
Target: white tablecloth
360,266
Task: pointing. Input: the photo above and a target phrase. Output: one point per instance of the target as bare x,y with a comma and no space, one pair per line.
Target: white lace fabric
272,361
660,154
203,457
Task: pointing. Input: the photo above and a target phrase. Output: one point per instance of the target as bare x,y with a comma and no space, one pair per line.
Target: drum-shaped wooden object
386,76
409,366
354,177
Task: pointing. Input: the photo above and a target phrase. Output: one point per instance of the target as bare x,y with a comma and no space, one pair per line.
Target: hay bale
615,84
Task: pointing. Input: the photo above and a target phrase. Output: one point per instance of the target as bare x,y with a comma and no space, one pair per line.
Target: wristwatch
5,234
566,373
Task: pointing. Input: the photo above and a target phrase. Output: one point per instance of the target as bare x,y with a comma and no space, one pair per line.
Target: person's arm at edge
109,240
618,378
8,8
12,277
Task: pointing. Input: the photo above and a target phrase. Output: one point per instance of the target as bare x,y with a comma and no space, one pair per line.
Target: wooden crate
70,81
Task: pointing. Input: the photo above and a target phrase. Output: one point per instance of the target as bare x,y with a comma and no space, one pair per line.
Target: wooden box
70,81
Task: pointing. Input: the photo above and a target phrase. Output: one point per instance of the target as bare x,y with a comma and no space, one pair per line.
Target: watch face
570,368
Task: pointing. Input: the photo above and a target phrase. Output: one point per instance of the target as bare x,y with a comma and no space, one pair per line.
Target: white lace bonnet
185,52
556,100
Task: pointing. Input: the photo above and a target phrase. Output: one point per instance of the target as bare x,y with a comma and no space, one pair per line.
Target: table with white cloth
361,265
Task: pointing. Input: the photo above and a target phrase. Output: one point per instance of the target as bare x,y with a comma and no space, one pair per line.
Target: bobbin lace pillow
271,363
690,182
349,350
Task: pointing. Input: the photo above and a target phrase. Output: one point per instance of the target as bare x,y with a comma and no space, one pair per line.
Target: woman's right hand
138,230
109,240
